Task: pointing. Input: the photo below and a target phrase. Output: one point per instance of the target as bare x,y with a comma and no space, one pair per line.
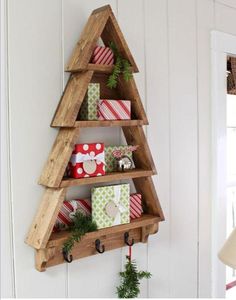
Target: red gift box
114,109
135,206
65,216
87,160
102,56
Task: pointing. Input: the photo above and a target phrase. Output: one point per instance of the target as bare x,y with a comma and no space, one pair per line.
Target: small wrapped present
110,159
102,56
114,109
87,160
110,205
135,206
89,106
69,207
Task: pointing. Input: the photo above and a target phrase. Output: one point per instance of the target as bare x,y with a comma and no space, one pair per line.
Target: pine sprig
122,66
130,280
80,226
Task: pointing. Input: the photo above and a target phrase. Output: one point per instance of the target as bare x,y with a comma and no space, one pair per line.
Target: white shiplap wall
170,41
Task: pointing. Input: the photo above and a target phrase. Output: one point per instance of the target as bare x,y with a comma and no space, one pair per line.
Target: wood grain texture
112,238
114,176
58,159
69,105
45,218
109,123
142,156
128,90
146,187
88,39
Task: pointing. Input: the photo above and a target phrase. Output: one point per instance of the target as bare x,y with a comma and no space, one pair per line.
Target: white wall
170,41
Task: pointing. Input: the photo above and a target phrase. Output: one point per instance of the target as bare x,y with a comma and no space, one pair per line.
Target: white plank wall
170,41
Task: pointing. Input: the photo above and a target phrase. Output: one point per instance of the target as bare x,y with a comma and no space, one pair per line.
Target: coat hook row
126,239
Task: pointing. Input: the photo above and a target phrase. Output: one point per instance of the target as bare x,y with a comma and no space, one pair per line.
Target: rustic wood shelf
136,173
101,24
110,123
112,238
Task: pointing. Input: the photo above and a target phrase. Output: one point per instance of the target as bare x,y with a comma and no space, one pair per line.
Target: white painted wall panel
35,81
183,148
170,41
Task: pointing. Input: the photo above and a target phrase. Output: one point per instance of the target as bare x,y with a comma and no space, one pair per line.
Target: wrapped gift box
69,207
110,205
110,160
87,160
102,56
136,209
89,106
114,109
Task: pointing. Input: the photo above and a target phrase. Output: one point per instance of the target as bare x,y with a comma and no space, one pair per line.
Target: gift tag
90,166
111,209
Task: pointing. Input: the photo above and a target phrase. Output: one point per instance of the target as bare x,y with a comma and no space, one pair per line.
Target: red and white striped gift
102,56
114,109
65,216
135,206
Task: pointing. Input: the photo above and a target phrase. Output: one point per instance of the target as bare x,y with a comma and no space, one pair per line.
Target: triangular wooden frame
101,23
48,245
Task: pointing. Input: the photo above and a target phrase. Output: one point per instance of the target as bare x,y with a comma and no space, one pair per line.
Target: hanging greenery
122,66
81,225
130,280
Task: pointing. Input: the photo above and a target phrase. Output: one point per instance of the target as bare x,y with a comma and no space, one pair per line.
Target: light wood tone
45,218
111,238
101,23
146,188
142,156
58,159
69,105
108,123
135,173
88,39
128,90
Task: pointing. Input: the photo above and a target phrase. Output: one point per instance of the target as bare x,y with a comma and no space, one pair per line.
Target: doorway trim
222,44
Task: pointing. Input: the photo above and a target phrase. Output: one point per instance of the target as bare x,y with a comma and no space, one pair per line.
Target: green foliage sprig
81,225
130,280
122,66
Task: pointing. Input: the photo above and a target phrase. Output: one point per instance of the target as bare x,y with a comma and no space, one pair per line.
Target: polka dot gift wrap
87,160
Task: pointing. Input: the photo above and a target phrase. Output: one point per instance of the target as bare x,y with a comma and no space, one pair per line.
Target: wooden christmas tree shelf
136,173
48,245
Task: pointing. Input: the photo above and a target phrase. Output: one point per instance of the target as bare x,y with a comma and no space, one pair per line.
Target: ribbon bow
80,157
121,208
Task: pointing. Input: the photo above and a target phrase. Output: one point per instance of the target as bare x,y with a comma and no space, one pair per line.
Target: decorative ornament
123,161
130,279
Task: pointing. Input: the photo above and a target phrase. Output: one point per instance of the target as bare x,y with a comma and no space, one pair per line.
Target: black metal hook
126,239
99,248
67,258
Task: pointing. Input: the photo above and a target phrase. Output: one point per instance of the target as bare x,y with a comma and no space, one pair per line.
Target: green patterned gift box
110,160
110,205
88,110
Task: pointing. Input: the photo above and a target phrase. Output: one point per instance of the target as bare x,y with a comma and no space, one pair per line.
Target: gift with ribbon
67,211
110,205
87,160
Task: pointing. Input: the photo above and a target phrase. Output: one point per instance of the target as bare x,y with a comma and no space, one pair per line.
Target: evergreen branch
122,66
130,280
80,226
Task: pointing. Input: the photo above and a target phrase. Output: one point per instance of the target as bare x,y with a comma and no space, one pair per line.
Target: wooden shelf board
136,173
110,123
107,69
58,238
